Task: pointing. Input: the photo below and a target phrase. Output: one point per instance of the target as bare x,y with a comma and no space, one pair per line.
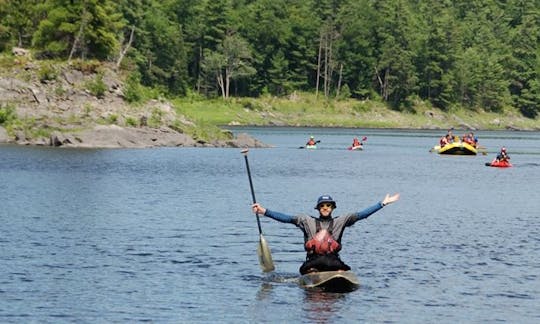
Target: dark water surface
166,235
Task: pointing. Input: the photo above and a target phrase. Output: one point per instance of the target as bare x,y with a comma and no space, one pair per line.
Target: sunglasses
330,205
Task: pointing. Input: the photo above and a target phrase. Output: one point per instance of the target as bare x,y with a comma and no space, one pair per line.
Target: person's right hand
258,209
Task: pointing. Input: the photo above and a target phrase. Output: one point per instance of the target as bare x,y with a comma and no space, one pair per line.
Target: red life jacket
323,242
443,141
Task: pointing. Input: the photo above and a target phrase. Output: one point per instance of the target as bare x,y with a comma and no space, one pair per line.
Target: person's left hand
390,199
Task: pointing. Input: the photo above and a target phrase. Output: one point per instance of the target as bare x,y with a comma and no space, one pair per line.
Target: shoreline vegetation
84,105
170,73
306,110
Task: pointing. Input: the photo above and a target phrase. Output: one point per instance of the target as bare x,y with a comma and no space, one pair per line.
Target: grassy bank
307,110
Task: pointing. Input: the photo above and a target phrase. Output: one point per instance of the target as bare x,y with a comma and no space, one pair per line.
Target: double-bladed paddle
265,257
361,143
302,147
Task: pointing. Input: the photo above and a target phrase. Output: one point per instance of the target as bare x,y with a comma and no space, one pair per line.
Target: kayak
330,281
499,164
311,147
456,149
356,148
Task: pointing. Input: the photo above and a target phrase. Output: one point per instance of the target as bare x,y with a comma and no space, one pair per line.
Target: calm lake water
166,235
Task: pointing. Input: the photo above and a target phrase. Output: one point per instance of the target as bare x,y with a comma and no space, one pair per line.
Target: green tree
483,54
266,29
161,54
19,20
191,15
215,23
524,64
278,75
87,28
356,48
289,27
395,71
437,52
230,61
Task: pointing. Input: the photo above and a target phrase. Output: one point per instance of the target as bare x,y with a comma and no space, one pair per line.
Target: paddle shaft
265,256
252,191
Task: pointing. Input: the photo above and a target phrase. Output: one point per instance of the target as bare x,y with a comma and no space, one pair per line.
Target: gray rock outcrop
90,121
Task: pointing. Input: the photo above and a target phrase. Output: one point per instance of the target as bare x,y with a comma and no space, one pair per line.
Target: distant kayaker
311,141
502,156
322,235
356,142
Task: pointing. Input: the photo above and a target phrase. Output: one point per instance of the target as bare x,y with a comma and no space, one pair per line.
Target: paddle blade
265,257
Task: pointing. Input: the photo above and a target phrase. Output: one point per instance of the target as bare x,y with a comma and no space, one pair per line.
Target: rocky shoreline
60,109
73,117
112,136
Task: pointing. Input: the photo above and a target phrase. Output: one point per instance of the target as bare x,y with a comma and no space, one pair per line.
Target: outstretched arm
284,218
370,210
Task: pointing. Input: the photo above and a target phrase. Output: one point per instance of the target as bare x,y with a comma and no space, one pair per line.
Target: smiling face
325,209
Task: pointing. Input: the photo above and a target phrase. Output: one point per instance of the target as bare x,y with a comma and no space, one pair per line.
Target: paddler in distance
322,235
311,141
356,142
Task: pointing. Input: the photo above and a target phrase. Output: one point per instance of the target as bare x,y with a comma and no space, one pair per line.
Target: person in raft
311,141
322,235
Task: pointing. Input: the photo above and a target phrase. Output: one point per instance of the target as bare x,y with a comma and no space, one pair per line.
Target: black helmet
325,199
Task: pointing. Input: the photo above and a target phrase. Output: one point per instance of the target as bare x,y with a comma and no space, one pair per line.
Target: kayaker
356,142
502,156
311,141
322,235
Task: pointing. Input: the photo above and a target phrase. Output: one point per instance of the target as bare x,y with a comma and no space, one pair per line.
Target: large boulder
112,136
243,140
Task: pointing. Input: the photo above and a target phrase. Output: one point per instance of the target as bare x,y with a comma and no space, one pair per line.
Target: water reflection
265,291
320,306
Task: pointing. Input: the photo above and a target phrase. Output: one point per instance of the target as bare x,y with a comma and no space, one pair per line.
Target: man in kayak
322,235
502,156
311,141
356,142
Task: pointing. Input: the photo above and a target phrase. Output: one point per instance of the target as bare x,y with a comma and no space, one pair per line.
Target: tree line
476,54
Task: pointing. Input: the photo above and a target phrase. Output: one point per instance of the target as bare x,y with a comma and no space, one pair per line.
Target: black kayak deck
331,281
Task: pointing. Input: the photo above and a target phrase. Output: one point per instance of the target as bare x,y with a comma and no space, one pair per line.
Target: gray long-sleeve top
308,223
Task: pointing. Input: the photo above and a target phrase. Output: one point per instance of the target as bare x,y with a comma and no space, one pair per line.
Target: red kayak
355,148
499,164
358,147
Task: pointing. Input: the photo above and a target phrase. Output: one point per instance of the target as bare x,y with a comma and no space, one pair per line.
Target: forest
472,54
